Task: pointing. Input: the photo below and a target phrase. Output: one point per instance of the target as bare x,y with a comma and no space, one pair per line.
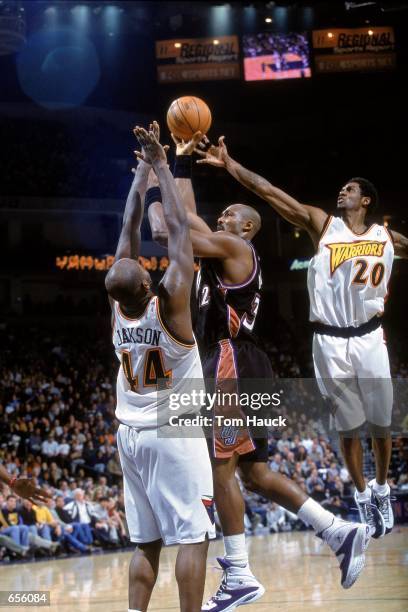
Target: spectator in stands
315,486
49,447
81,531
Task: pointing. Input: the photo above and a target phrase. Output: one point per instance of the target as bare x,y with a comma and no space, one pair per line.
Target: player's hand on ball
214,155
186,148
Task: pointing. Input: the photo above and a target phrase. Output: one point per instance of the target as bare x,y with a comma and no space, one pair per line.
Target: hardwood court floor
300,575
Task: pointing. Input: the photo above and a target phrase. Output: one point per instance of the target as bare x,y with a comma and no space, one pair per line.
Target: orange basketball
188,115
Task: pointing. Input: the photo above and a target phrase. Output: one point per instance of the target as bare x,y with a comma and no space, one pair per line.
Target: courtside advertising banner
198,59
354,49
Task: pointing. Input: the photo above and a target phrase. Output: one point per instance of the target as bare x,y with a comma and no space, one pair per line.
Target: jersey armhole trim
324,228
171,335
250,277
391,237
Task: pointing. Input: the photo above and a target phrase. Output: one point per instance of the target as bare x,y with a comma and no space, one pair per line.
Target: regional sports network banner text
354,49
197,59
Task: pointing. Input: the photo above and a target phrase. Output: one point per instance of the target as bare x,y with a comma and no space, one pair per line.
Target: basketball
188,115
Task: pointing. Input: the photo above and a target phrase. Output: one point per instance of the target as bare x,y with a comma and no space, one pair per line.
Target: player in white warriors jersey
167,480
347,284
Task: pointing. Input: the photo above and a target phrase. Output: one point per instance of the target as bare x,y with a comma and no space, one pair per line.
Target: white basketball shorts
354,373
168,487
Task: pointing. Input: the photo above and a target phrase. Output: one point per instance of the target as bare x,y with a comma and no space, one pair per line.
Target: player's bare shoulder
317,221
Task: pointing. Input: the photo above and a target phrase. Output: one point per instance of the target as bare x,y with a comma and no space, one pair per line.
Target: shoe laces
222,586
368,512
384,504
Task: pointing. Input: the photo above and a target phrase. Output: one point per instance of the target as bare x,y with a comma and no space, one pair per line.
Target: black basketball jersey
226,311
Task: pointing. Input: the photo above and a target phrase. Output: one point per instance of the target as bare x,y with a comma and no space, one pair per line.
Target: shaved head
127,282
240,219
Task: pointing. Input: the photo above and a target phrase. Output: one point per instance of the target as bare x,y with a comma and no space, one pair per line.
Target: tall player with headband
347,282
228,295
167,479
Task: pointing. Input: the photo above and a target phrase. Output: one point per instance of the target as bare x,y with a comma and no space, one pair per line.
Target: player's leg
228,497
352,451
381,492
179,485
382,448
190,575
348,541
143,528
370,355
335,369
239,586
143,570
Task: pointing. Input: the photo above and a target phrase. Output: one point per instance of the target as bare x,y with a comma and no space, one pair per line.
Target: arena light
268,19
111,17
216,42
220,19
330,34
51,16
177,45
370,32
281,17
250,18
81,15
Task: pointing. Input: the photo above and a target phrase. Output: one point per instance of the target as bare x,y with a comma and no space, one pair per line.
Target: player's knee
348,437
255,478
378,431
251,482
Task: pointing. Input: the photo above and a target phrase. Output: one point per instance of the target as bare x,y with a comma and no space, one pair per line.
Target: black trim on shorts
347,332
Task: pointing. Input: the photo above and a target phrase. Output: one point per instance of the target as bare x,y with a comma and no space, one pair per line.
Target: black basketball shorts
231,366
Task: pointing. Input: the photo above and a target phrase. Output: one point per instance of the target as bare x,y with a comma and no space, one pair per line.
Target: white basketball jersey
348,277
148,353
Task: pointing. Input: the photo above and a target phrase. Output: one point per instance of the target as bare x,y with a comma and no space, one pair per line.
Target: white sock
365,495
235,551
381,489
313,514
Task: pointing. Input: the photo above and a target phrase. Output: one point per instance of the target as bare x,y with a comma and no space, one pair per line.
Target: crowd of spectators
57,408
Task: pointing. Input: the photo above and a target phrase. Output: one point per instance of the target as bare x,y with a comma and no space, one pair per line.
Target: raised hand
187,148
154,130
214,156
24,487
152,150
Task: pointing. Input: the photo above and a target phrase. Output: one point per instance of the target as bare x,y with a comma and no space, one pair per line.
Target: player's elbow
160,237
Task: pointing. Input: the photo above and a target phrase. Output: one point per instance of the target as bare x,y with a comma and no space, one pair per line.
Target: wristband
153,194
12,481
183,168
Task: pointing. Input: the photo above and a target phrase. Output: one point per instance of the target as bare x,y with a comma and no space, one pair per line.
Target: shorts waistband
347,332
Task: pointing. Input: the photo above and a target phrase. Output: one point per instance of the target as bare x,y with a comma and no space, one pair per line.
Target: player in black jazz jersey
228,296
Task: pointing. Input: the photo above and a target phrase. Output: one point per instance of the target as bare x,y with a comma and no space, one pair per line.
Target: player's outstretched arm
156,217
175,287
308,217
130,238
400,244
24,487
182,170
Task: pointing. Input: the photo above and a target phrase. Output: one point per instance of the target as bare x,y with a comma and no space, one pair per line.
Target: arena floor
300,574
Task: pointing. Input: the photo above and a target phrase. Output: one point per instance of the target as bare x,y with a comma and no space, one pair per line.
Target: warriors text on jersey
148,354
226,311
348,277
